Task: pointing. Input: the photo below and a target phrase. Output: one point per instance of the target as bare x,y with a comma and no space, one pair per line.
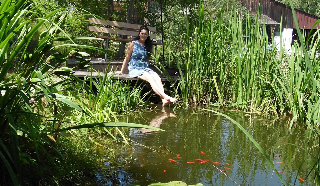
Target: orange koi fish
178,156
280,162
217,163
199,160
173,161
227,168
203,153
280,172
204,161
164,170
191,162
301,179
229,163
276,157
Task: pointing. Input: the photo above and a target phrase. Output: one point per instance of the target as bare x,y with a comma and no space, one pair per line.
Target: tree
310,6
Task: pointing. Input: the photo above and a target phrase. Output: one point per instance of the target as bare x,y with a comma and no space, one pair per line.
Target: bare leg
156,84
158,81
159,84
157,121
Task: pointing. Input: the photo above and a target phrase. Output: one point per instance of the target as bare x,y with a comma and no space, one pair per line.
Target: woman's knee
146,77
156,77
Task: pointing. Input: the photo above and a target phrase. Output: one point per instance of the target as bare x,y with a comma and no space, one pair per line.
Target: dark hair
148,42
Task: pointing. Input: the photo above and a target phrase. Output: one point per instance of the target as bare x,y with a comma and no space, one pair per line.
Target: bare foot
165,102
173,100
172,115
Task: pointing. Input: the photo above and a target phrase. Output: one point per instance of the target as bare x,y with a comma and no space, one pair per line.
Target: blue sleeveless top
137,63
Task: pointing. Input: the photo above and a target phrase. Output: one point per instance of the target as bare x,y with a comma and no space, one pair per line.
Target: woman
138,54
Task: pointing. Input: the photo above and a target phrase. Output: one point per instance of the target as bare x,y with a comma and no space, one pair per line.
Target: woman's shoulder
132,43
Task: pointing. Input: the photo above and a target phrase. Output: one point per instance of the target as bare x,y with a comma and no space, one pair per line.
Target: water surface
232,159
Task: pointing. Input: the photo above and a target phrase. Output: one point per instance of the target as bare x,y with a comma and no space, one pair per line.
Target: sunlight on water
228,157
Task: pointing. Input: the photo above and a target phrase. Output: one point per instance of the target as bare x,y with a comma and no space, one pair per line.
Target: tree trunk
129,16
110,9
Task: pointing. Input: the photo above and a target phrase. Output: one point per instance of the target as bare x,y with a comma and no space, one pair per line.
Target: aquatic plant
34,101
233,64
230,62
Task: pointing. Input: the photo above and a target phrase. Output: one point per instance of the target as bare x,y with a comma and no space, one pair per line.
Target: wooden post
129,16
162,36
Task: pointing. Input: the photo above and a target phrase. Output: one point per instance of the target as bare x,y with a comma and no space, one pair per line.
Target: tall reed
232,63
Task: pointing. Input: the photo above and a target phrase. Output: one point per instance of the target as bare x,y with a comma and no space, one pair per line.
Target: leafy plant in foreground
33,106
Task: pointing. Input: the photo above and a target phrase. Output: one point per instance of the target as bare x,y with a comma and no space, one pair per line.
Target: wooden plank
130,25
98,21
83,74
157,43
126,32
124,40
119,24
117,31
132,33
114,38
102,30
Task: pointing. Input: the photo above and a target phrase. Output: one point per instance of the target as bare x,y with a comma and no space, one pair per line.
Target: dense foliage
42,103
310,6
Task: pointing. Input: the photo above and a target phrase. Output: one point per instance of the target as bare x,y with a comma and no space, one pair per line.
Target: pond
199,146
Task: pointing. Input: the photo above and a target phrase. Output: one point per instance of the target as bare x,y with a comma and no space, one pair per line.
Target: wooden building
271,11
275,10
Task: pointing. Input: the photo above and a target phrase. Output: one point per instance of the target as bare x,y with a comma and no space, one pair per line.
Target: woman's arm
127,58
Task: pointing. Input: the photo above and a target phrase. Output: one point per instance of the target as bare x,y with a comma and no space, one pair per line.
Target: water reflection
190,131
158,119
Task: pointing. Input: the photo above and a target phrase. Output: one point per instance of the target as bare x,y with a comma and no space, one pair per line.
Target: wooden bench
115,30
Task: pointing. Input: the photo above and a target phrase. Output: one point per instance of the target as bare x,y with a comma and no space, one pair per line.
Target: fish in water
227,168
217,163
276,157
301,179
204,161
191,162
178,156
203,153
174,161
199,160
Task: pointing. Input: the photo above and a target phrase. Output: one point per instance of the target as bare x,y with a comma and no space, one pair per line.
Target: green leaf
12,174
111,124
66,101
35,80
